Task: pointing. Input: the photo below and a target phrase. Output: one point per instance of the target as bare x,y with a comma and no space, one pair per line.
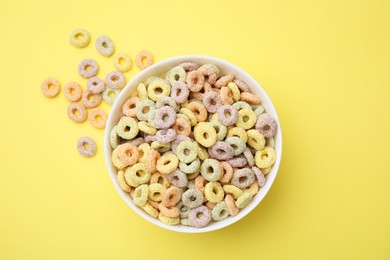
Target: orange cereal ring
90,99
154,204
250,98
223,81
227,171
209,72
226,96
233,210
50,87
97,117
171,196
199,111
77,112
210,204
144,59
129,107
159,178
182,126
200,183
72,91
151,159
195,80
171,212
128,153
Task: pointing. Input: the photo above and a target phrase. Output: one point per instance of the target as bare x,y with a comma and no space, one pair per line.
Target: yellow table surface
325,65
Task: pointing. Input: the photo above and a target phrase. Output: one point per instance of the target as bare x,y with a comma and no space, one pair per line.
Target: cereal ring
150,138
95,85
211,170
176,74
195,80
179,92
259,110
198,96
129,107
192,198
142,150
241,85
270,142
265,158
151,159
200,183
187,151
158,178
104,45
250,98
144,108
137,141
156,191
77,112
205,134
246,118
249,157
266,125
171,196
239,132
128,153
72,91
167,101
184,210
244,200
179,138
122,62
231,206
90,99
166,135
199,217
178,178
189,66
210,205
149,80
227,115
199,111
141,195
160,147
190,115
214,192
212,101
154,204
266,170
127,128
235,91
182,126
210,73
202,152
221,151
224,81
114,138
79,38
220,211
260,178
110,95
227,172
238,161
242,178
167,163
142,92
88,68
255,139
167,220
240,105
50,87
190,168
86,146
144,59
115,80
116,161
237,144
97,117
171,212
149,209
146,128
137,174
190,185
252,189
192,176
220,129
120,178
165,117
226,96
233,190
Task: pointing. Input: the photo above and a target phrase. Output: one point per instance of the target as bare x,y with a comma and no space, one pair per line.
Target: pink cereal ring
77,112
129,107
179,138
241,85
88,68
115,80
221,151
72,91
179,92
178,178
90,99
209,74
189,66
260,178
223,81
195,80
199,217
238,161
266,125
96,85
165,117
227,115
166,135
212,101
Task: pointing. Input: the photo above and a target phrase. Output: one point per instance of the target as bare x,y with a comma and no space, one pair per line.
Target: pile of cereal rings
193,146
84,103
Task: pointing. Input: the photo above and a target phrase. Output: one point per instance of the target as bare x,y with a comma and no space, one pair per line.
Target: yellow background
325,64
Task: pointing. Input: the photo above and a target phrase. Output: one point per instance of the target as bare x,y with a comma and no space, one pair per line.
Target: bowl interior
161,68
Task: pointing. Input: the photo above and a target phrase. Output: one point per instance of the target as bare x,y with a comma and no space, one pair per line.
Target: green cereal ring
167,101
239,132
176,74
184,210
79,38
149,80
213,192
158,88
220,129
192,198
137,175
237,144
142,92
104,45
190,168
143,109
233,190
156,191
202,152
185,222
114,138
270,142
110,95
211,170
127,128
249,157
244,200
187,151
241,105
150,117
220,211
141,195
190,185
259,110
160,147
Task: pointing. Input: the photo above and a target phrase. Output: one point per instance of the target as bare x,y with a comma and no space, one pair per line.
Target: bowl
159,69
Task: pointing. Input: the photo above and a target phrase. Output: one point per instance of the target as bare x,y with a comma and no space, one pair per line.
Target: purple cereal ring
88,68
178,178
266,125
227,115
241,85
243,178
259,176
179,92
115,80
175,143
137,141
221,151
189,66
150,138
238,161
212,101
166,135
199,217
164,117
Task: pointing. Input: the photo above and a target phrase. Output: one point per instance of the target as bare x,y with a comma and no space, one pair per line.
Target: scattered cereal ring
265,158
146,128
90,99
211,170
233,190
178,178
72,91
187,151
227,115
182,126
156,191
226,96
244,200
128,153
97,117
237,144
167,220
167,163
50,87
158,178
212,101
250,98
95,85
246,118
239,132
165,117
177,141
77,112
88,68
195,80
86,146
242,178
199,217
221,151
224,81
127,128
199,111
171,196
249,157
115,80
144,108
179,92
104,45
110,95
141,195
255,139
214,192
167,101
148,208
209,72
191,167
220,211
120,178
227,172
192,198
79,38
129,107
231,206
176,74
189,66
205,134
260,178
266,125
166,135
122,62
144,59
241,85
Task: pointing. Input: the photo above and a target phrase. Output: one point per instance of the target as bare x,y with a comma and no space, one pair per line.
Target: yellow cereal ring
194,175
127,128
146,128
143,149
202,152
158,88
156,191
239,132
79,38
142,93
150,210
256,139
115,159
120,177
235,91
167,220
214,117
205,134
159,178
189,114
172,212
214,192
160,147
246,118
137,175
267,170
244,200
233,190
122,62
141,195
167,163
265,158
252,189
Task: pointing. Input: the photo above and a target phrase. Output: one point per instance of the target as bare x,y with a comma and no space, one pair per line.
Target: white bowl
159,69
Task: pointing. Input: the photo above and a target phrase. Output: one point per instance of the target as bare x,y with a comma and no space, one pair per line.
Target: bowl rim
254,87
